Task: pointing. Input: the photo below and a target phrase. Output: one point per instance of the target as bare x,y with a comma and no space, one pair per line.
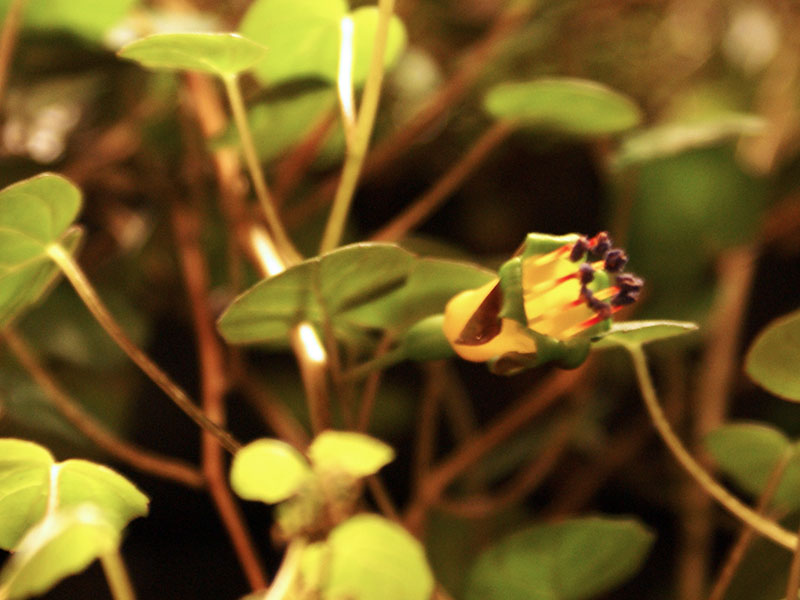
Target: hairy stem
92,301
761,524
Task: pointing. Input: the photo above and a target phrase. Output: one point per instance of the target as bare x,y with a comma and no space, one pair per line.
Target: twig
371,385
8,39
138,458
117,576
421,208
762,525
213,387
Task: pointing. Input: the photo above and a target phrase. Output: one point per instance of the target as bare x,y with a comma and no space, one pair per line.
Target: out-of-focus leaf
748,453
221,54
268,470
89,19
571,106
65,542
303,38
30,478
369,558
571,560
34,213
773,359
353,453
627,333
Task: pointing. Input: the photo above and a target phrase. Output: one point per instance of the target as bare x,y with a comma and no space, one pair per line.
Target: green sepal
513,307
425,340
539,243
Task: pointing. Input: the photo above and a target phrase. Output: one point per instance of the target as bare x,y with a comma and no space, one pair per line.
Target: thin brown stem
422,208
214,385
8,40
382,498
138,458
371,385
793,584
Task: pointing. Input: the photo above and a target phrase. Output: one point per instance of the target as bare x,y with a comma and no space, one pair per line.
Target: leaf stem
282,241
366,119
287,572
117,576
92,301
8,39
761,524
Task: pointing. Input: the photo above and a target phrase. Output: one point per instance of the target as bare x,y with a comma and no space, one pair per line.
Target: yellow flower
547,304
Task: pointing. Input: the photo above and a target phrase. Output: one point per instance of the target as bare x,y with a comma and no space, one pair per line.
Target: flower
547,304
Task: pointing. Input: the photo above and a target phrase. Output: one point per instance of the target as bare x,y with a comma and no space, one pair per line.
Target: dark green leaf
30,478
571,106
571,560
222,54
772,360
626,333
268,470
65,542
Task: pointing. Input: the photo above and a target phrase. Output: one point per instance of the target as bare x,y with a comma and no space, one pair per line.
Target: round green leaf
369,558
571,560
34,213
332,284
222,54
31,483
748,453
572,106
628,333
88,19
356,454
303,38
773,359
63,544
268,470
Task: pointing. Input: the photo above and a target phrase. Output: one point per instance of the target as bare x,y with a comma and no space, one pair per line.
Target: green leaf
334,283
369,558
628,333
430,285
32,484
673,138
34,213
571,560
62,544
748,453
303,38
773,358
268,470
356,454
89,19
222,54
571,106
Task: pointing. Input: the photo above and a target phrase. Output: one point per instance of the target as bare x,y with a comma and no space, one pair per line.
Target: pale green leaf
365,24
62,544
353,453
571,106
221,54
773,358
627,333
570,560
268,470
88,19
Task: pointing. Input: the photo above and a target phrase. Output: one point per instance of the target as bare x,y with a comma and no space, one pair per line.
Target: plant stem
284,244
92,301
793,584
117,576
366,119
379,362
8,39
287,572
761,524
144,460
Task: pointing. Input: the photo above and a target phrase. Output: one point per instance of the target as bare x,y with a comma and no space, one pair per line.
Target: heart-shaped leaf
65,542
303,38
356,454
221,54
33,484
332,284
268,470
89,19
34,213
748,453
369,558
627,333
571,560
773,358
565,105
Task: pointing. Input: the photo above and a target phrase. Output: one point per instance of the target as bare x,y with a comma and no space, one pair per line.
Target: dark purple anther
586,273
629,283
579,249
615,260
600,244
